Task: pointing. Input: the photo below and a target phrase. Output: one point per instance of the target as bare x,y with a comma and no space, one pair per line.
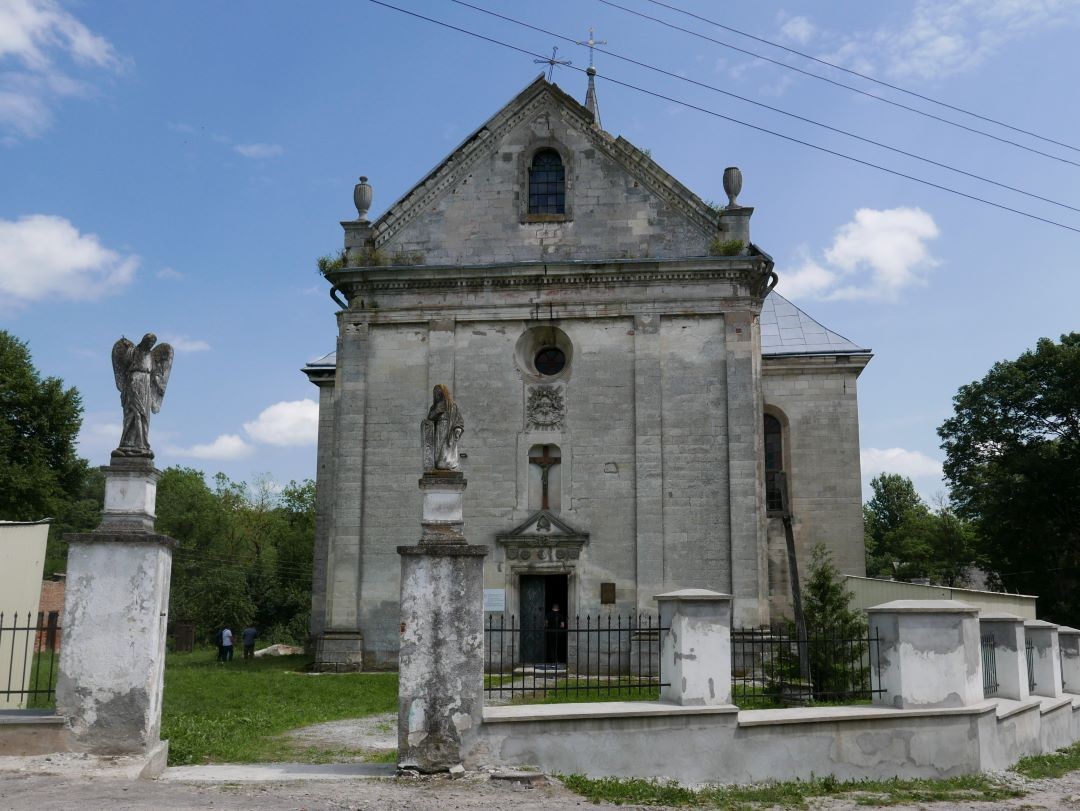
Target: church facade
635,395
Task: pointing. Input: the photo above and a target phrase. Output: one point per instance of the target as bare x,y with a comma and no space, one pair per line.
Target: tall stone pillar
648,459
1069,642
746,472
1045,658
441,660
695,656
112,662
1010,660
929,654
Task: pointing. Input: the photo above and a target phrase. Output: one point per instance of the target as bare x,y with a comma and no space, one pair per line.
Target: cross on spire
591,43
552,62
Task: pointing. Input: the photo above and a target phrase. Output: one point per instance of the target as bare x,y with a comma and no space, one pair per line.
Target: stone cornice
815,363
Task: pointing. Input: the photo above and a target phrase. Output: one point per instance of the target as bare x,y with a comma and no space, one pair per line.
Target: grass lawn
237,712
789,795
1054,764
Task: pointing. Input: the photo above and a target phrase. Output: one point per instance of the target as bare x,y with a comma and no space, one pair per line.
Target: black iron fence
774,667
1029,651
590,659
29,659
989,666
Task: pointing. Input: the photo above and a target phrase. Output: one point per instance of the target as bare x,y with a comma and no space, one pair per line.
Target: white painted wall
22,550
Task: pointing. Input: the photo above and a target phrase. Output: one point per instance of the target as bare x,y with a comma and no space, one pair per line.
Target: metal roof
787,330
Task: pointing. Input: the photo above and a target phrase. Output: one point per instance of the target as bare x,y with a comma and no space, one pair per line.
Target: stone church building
634,392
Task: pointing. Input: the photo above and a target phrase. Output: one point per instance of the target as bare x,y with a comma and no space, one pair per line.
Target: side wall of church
818,407
611,213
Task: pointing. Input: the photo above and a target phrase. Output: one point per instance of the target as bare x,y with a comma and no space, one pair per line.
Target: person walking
226,644
220,644
248,636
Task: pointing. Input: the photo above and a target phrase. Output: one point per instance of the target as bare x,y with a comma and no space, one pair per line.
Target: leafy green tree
1012,460
894,502
41,474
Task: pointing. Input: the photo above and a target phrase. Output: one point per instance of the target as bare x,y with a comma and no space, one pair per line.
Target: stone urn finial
732,185
362,198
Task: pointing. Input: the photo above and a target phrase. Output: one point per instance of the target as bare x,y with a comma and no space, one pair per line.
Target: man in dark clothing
248,635
555,635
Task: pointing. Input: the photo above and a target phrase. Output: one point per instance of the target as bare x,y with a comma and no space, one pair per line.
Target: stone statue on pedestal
142,373
441,431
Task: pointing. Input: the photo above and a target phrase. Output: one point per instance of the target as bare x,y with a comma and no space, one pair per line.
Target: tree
41,475
1012,460
894,502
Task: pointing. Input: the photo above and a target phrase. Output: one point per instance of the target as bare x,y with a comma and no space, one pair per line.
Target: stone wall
816,401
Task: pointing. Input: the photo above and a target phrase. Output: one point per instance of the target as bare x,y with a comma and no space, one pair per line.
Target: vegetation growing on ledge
725,247
332,262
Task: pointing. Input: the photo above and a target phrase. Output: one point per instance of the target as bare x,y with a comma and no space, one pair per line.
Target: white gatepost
695,657
1069,642
1010,659
1045,658
928,653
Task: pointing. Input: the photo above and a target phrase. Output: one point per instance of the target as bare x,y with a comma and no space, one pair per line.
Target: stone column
1010,659
441,660
695,656
929,654
1046,658
746,473
648,460
112,661
1069,642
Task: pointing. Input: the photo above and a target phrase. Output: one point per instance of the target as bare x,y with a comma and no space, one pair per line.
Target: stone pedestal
339,651
929,653
695,656
1069,642
441,659
112,662
1010,658
1045,658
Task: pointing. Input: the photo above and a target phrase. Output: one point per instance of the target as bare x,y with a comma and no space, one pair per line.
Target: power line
861,75
756,127
910,109
829,127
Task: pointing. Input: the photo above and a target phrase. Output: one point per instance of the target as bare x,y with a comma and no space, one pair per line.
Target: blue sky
178,167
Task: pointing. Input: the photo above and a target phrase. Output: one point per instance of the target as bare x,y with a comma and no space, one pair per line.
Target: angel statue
141,372
441,431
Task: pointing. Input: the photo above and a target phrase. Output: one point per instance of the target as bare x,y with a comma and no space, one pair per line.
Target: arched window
774,464
547,183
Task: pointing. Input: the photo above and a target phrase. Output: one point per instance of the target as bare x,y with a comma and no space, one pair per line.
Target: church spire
590,96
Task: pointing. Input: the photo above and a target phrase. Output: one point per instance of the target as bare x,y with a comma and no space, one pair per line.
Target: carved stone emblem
546,408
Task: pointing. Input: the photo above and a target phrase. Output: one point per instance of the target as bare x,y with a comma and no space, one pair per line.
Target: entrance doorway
543,638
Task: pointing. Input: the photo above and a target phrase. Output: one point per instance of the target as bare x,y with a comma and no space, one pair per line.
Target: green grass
788,795
44,669
571,691
1054,764
237,712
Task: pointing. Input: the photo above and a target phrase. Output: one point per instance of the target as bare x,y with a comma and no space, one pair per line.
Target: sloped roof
787,330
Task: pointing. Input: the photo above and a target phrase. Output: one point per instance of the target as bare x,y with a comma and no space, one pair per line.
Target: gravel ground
57,791
375,733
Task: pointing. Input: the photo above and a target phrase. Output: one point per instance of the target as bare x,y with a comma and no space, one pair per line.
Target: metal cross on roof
552,62
591,43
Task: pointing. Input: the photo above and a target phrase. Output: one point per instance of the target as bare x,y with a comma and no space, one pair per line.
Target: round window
549,361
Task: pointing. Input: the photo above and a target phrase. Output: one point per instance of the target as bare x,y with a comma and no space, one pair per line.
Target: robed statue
441,431
142,372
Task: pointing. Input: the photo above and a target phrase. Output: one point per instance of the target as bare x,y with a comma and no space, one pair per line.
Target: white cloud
170,274
259,151
226,446
898,460
36,35
876,255
100,433
291,422
43,256
943,37
798,30
182,343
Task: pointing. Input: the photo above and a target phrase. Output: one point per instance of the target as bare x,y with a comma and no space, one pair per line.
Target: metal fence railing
774,667
593,658
29,659
989,666
1029,651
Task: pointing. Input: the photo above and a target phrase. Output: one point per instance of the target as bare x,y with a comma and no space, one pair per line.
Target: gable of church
474,208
